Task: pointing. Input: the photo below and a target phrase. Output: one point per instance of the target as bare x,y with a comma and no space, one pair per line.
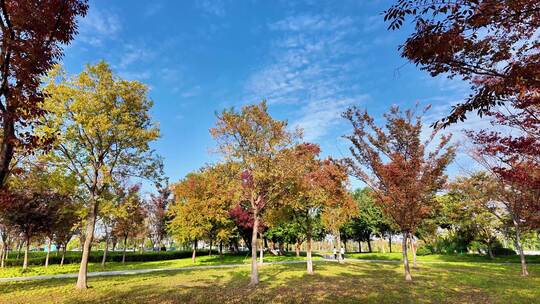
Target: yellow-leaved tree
202,201
102,129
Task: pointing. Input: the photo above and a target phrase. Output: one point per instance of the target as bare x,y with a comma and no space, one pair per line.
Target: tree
398,167
492,44
369,221
102,129
513,156
252,138
241,214
315,187
129,216
513,192
30,213
65,221
334,219
7,236
157,214
473,208
108,216
201,206
32,37
56,187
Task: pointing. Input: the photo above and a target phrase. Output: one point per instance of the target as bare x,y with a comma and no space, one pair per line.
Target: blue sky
309,59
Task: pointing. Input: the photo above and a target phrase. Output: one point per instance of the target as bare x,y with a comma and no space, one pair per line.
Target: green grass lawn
34,270
397,256
332,282
16,271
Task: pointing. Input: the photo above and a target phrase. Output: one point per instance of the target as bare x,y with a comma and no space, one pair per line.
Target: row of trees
268,177
45,206
295,193
95,128
493,45
98,129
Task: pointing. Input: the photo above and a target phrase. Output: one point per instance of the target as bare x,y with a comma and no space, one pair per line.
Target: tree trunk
519,247
390,242
235,246
490,252
413,249
7,144
194,253
63,254
210,251
369,244
261,252
381,242
124,251
87,246
338,241
220,248
104,259
48,253
359,246
2,256
309,261
297,248
405,258
254,271
19,247
26,249
345,245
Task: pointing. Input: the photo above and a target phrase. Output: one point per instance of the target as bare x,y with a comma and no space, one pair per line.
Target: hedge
96,257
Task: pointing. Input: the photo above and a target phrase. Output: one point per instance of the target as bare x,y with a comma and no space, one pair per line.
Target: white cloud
133,54
134,75
311,23
153,8
98,25
191,92
214,7
319,116
313,64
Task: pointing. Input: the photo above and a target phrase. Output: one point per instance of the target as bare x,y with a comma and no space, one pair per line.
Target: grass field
473,258
34,270
343,283
16,271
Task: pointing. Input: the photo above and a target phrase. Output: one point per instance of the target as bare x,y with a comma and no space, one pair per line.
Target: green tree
102,128
472,208
369,221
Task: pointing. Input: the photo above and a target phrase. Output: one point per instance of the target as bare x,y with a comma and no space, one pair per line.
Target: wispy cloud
134,75
98,26
153,8
212,7
318,117
312,67
133,54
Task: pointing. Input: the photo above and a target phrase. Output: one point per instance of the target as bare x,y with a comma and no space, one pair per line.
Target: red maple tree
402,170
493,44
32,35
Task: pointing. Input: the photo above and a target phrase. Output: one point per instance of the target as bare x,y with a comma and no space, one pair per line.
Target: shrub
424,250
497,251
96,257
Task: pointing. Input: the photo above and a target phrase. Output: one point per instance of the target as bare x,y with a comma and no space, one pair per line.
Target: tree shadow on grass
331,283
